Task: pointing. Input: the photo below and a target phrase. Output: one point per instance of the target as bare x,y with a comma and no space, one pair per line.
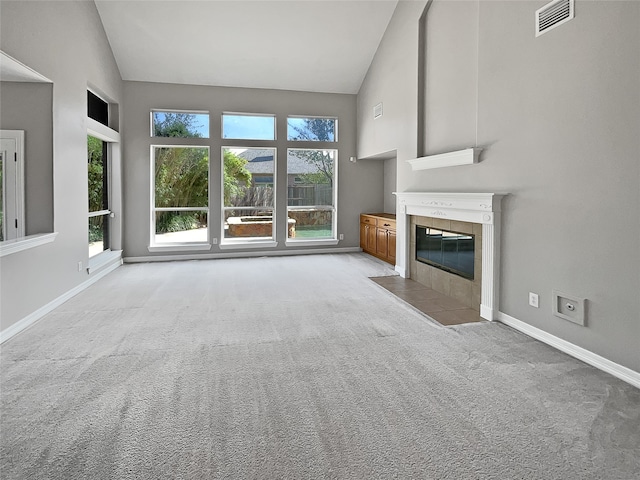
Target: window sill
229,245
24,243
180,247
311,242
104,260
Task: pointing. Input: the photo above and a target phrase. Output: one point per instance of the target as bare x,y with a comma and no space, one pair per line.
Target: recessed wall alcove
483,209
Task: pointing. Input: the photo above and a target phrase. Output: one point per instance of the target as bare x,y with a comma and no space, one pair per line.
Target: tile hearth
441,308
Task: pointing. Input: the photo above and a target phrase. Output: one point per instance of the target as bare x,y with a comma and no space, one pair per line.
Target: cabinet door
371,238
381,242
392,246
363,236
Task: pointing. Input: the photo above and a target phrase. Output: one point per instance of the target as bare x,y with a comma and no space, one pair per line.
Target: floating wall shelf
467,156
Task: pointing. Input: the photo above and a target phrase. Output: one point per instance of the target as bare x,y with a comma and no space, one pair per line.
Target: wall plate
569,307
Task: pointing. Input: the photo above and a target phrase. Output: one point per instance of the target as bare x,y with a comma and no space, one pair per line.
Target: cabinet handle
387,225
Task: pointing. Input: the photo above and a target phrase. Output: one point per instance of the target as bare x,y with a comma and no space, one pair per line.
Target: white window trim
249,242
175,246
109,136
103,260
173,110
291,242
245,114
330,142
16,245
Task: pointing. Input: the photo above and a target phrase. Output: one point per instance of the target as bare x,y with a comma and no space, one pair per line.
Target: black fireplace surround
449,251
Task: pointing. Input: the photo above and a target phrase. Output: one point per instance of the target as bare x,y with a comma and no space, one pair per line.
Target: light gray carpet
296,367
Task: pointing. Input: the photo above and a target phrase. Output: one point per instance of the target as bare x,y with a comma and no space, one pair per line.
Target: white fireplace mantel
482,208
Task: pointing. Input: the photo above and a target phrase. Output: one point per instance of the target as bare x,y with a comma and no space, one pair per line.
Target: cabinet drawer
368,220
386,223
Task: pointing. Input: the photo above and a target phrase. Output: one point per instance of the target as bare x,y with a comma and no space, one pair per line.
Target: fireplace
450,251
444,209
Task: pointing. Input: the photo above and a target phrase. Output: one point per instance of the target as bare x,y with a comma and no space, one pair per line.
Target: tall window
98,175
98,178
181,195
248,194
311,178
311,199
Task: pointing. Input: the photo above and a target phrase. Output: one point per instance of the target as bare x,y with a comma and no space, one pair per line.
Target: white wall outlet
79,266
533,299
214,241
341,236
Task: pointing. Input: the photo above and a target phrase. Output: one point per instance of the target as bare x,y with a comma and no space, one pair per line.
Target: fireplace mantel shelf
467,156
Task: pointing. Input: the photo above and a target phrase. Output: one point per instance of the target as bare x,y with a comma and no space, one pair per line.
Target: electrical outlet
533,299
341,236
214,241
79,266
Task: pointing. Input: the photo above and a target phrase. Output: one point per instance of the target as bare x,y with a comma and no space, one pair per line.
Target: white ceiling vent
377,111
553,14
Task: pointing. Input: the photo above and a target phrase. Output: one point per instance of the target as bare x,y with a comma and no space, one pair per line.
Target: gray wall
354,179
65,42
28,106
558,117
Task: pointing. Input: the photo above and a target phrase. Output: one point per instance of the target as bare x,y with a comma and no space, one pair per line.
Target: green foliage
236,177
178,221
175,125
182,177
96,171
317,129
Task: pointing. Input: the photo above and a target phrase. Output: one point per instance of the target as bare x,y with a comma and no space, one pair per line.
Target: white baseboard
32,318
601,363
247,254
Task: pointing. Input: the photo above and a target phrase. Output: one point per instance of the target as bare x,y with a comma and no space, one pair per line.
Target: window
180,195
312,129
248,194
311,193
97,173
240,126
97,108
179,124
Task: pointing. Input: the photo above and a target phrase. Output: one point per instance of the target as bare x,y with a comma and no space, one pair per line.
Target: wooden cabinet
378,235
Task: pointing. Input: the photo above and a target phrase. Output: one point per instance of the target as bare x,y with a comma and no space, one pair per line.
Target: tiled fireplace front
467,292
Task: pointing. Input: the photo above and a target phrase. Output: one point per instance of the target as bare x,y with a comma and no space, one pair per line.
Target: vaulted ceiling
307,45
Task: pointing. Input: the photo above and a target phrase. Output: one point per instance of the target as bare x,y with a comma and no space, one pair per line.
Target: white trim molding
247,254
623,373
32,318
482,208
24,243
468,156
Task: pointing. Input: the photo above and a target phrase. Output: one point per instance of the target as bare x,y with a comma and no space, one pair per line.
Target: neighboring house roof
260,161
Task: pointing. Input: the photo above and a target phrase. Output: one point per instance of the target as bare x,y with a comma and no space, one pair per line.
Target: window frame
177,246
110,137
174,110
323,117
245,114
249,242
333,240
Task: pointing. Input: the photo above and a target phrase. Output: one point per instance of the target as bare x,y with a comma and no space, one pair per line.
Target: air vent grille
377,111
553,14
